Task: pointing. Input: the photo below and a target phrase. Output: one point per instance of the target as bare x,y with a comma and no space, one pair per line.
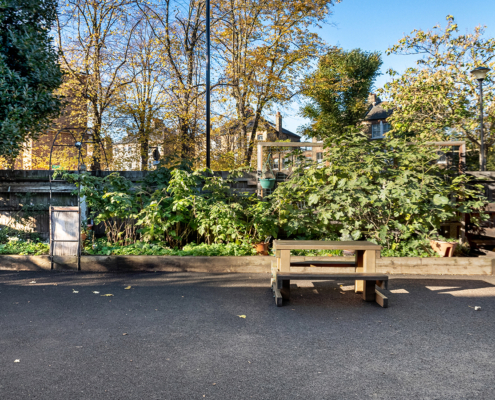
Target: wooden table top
324,245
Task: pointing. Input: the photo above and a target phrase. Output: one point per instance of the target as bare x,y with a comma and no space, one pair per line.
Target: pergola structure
281,144
462,151
461,144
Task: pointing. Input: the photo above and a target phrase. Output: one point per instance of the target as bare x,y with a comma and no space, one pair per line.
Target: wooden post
285,267
369,265
369,291
462,158
284,260
358,288
369,261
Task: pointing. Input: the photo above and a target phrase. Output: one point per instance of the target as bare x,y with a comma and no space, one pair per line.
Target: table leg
369,261
277,295
284,263
285,290
369,265
369,291
273,271
359,285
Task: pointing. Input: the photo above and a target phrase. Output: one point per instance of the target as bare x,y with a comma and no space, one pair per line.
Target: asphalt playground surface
184,336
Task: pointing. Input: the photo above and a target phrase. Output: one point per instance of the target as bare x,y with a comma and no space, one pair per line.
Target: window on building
442,157
319,157
276,163
378,130
376,133
260,137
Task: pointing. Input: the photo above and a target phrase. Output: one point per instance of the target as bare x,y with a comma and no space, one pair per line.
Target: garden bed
242,264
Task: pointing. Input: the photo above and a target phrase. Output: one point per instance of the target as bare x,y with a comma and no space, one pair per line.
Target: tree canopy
438,99
338,91
29,72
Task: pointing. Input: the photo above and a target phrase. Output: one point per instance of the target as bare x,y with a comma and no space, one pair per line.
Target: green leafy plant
389,191
112,200
29,73
102,247
21,247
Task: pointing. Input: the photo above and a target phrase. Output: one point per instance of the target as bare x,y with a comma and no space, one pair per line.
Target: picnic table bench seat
365,274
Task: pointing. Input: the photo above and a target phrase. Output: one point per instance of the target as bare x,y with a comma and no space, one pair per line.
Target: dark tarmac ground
195,336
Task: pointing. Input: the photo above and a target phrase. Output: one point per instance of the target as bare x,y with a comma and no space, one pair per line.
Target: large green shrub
388,191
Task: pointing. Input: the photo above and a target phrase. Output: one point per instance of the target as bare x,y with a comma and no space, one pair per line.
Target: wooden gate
65,232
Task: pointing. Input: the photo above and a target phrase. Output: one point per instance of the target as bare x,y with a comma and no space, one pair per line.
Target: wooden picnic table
364,265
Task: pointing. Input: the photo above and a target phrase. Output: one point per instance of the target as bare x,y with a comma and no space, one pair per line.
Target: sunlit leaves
438,99
390,192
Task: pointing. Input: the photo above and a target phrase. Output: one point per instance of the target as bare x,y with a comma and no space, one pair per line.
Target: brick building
375,121
126,152
72,123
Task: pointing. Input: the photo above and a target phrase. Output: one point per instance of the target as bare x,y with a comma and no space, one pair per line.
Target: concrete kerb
253,264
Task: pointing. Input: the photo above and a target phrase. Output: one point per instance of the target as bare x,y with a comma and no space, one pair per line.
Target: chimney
372,98
278,123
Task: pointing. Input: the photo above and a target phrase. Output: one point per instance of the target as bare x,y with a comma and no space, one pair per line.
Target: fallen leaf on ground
96,292
128,287
241,316
107,295
75,291
32,282
124,334
17,360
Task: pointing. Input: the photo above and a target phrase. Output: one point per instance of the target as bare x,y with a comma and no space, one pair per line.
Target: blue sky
377,25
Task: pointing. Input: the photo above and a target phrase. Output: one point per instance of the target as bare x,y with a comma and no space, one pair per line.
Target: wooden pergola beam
281,144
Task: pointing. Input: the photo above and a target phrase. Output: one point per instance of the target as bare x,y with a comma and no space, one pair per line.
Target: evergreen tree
29,73
338,91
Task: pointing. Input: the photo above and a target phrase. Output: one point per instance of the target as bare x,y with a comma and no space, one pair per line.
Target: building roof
296,137
262,124
377,112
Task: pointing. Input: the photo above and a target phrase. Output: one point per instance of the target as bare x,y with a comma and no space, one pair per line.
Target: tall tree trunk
485,150
186,151
250,143
144,142
97,146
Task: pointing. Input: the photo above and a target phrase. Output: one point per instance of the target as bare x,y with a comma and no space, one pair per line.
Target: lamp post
208,163
480,74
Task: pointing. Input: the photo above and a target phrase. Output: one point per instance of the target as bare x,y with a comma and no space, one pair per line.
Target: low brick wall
389,265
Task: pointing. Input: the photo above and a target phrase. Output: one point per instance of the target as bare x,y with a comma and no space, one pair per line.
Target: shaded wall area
25,196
